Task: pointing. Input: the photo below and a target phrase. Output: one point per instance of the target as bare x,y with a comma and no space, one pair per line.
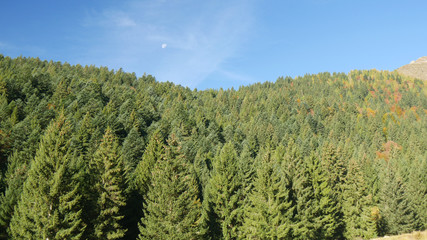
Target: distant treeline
92,153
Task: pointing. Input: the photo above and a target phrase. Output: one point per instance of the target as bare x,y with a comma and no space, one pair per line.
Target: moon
164,45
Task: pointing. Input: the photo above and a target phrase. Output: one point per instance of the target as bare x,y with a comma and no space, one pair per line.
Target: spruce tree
17,169
173,208
327,218
81,139
317,209
107,165
305,223
417,190
247,171
142,174
224,194
49,207
270,213
132,150
15,177
301,191
138,183
395,207
357,205
83,151
333,163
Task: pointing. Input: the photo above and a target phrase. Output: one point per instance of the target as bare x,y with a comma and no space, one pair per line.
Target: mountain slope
416,69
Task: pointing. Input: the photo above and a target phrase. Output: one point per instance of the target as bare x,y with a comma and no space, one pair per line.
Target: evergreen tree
138,184
224,193
17,168
316,206
142,174
15,177
81,140
305,226
173,209
395,207
84,146
108,167
49,207
334,164
247,171
132,150
357,205
418,183
270,213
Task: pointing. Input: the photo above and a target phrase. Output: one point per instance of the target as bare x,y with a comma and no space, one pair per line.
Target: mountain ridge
416,69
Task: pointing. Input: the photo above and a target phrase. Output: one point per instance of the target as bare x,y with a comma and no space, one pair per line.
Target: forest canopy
92,153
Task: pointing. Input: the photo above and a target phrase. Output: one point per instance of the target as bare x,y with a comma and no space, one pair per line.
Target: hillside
409,236
94,153
415,69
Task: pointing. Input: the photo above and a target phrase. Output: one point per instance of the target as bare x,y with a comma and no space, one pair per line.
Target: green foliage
224,193
173,208
108,166
358,209
133,149
317,208
351,149
49,204
396,209
269,214
16,175
142,174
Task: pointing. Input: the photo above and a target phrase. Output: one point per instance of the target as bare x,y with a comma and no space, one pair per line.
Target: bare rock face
416,69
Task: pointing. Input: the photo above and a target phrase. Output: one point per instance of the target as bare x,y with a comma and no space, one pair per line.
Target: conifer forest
92,153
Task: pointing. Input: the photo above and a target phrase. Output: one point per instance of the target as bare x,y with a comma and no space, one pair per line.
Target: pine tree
15,177
108,167
357,205
132,150
316,206
139,181
224,194
305,222
173,209
301,191
17,169
395,207
142,174
81,139
49,207
327,217
247,171
420,177
333,163
270,213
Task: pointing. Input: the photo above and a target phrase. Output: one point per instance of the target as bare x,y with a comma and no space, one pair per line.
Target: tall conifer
224,193
142,174
49,207
357,205
270,213
108,167
173,209
395,207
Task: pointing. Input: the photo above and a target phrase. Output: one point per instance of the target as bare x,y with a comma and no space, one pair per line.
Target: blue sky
213,44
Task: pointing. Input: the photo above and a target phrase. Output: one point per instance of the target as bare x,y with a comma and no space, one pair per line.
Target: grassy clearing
409,236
